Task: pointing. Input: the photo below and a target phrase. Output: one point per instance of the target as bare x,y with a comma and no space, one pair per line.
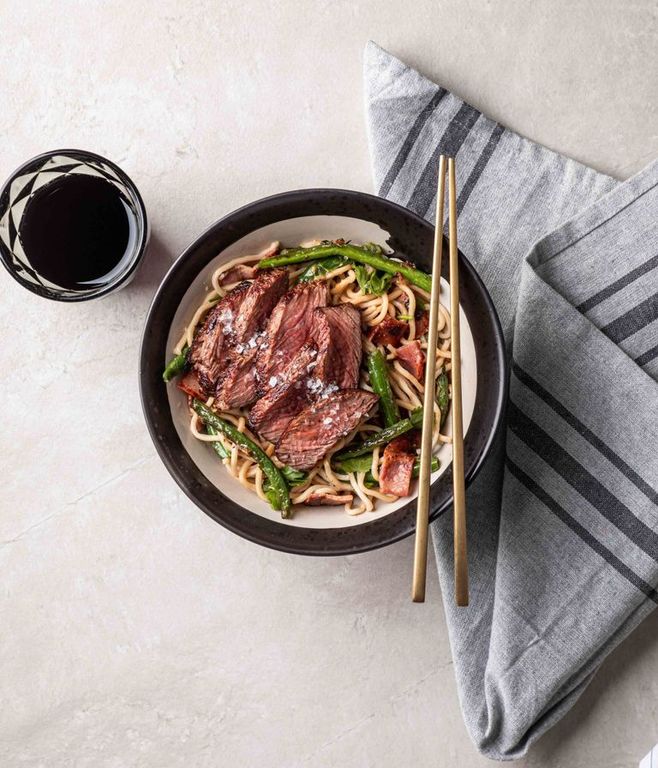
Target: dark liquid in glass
78,231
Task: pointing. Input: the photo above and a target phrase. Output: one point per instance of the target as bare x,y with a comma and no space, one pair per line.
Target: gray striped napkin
563,519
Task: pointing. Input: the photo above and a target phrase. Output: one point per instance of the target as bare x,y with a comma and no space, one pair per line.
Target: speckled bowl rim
403,225
124,277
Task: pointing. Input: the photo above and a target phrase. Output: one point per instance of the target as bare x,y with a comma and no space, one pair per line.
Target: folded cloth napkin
563,518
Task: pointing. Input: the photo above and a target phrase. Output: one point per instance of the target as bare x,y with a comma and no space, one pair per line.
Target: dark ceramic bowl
293,217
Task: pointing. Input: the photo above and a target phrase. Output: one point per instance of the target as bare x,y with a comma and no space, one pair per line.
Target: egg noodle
402,299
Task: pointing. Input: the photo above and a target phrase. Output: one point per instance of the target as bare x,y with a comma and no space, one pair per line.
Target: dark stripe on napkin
613,288
561,513
449,143
479,167
534,386
648,356
632,321
575,475
409,142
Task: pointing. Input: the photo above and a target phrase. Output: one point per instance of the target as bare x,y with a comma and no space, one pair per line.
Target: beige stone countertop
134,631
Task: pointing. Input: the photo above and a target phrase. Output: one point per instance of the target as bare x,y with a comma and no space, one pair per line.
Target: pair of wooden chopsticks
459,500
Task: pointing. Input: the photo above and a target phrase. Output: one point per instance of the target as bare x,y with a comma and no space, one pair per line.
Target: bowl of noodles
281,371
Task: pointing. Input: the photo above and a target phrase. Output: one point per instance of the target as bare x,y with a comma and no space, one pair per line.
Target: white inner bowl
291,232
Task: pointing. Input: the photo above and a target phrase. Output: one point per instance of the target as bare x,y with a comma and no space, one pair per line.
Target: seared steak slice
262,296
234,380
397,467
288,328
389,331
320,425
207,354
337,333
288,395
237,384
412,358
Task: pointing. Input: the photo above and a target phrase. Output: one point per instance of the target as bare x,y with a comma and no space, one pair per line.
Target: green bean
381,385
279,496
293,477
384,436
443,396
271,495
370,253
175,365
220,449
435,464
319,268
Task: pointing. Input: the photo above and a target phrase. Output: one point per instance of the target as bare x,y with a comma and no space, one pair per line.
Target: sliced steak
237,384
389,331
412,358
260,300
337,333
321,498
397,467
320,425
288,395
212,341
288,328
225,358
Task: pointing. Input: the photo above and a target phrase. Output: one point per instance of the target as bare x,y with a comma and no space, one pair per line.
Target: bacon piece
237,273
412,358
389,331
245,271
422,318
397,467
406,443
321,498
191,385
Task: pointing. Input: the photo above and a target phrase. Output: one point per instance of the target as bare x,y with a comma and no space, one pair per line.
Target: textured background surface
134,631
